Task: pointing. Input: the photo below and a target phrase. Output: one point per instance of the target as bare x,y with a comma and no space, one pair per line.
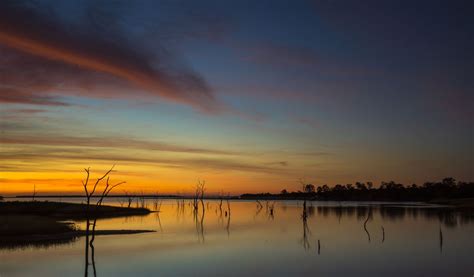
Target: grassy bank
60,210
44,223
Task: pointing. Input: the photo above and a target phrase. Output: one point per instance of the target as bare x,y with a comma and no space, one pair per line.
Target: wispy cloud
199,163
44,55
282,163
20,96
107,142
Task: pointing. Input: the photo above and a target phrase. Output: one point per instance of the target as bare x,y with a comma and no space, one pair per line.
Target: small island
44,222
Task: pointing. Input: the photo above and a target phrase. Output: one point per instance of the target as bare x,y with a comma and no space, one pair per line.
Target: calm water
397,241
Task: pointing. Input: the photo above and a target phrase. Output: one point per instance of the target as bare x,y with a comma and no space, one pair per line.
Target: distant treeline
448,188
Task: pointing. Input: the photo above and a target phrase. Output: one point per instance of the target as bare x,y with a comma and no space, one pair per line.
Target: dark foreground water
330,239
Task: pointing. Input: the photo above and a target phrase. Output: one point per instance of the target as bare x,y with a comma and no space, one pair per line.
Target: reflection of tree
311,211
199,219
369,216
306,230
228,217
220,219
270,210
383,234
440,240
319,247
86,252
259,208
180,209
157,215
90,244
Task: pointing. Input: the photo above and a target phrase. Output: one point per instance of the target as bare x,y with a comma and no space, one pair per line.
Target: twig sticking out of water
369,215
383,234
440,240
259,208
270,209
306,231
129,199
228,218
199,198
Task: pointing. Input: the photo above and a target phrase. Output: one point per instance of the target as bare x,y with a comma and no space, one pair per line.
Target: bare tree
199,198
157,203
220,202
141,201
199,194
129,199
90,193
107,189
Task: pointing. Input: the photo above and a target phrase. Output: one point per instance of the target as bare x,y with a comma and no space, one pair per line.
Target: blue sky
329,91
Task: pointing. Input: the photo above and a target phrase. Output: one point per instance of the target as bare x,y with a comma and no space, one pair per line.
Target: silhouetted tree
370,185
309,188
89,194
447,188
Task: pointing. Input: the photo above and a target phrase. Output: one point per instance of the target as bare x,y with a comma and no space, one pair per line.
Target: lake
276,238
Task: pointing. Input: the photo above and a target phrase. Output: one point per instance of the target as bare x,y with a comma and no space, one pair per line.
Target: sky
251,96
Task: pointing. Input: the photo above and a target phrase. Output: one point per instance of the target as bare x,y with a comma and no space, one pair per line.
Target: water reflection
199,221
448,217
306,231
13,245
228,218
259,208
383,234
319,247
91,224
270,207
369,216
440,240
319,233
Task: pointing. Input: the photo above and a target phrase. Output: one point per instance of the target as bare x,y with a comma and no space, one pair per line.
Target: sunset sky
250,97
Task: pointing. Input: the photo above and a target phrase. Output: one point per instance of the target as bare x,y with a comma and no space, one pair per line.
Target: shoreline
62,237
44,223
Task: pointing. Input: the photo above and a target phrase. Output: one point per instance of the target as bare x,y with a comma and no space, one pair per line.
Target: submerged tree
198,198
306,230
90,192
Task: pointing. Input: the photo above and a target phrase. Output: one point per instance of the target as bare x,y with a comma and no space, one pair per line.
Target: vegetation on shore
66,211
35,222
41,223
25,231
448,188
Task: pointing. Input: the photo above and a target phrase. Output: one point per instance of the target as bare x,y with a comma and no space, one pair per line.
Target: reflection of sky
323,91
258,244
